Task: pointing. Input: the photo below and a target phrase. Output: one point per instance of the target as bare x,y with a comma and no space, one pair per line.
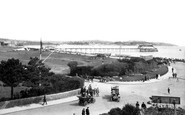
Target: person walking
137,104
143,106
156,76
97,91
44,100
145,78
87,111
83,111
168,90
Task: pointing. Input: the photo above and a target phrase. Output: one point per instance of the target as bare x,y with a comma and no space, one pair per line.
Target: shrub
81,70
129,109
4,99
72,65
115,111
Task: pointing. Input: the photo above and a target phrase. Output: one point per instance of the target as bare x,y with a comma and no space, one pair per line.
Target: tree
12,73
72,65
37,72
115,111
129,109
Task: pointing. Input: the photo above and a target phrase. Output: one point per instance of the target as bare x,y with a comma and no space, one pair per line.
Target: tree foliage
72,65
37,72
134,65
12,73
128,109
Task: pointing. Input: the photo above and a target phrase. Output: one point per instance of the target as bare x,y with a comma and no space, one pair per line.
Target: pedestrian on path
137,104
143,106
87,111
168,90
44,100
97,91
83,111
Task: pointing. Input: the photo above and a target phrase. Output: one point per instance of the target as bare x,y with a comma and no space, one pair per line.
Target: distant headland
83,42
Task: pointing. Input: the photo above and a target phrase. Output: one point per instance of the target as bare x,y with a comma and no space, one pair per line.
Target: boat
147,48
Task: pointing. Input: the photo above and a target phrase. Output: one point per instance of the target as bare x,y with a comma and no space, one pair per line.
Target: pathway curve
130,93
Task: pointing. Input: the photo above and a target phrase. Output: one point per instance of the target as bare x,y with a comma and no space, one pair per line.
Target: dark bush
81,70
4,99
129,109
72,65
115,111
58,83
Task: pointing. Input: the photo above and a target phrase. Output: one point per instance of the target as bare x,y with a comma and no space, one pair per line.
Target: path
130,93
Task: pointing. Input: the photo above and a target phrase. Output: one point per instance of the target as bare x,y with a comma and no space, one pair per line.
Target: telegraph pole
40,59
40,49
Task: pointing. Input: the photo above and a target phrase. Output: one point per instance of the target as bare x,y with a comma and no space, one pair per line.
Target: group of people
143,105
90,91
85,111
174,74
90,78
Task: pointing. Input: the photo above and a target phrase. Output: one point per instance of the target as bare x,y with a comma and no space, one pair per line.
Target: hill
85,42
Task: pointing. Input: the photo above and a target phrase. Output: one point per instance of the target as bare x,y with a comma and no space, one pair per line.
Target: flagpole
40,60
40,49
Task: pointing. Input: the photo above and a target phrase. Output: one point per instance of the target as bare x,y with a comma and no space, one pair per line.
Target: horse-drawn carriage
84,100
115,94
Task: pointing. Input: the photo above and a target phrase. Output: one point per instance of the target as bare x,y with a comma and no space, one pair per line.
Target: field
57,61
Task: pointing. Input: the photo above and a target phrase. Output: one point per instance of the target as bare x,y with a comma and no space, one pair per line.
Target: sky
108,20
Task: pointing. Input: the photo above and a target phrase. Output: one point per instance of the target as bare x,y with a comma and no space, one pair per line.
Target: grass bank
150,75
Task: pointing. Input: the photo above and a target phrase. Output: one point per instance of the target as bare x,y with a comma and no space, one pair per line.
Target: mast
40,60
40,49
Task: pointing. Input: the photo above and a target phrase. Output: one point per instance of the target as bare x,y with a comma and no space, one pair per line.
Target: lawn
57,61
150,75
58,64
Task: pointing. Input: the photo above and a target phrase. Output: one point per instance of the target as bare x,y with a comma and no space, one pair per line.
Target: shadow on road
107,97
75,103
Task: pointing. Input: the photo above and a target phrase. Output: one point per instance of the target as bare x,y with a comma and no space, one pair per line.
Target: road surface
130,93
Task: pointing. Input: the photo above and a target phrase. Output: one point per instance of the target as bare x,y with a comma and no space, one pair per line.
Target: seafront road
130,92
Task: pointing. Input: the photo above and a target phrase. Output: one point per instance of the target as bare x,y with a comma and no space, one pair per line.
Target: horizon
105,20
87,41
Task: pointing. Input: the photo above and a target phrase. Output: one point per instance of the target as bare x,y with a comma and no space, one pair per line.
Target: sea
175,52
